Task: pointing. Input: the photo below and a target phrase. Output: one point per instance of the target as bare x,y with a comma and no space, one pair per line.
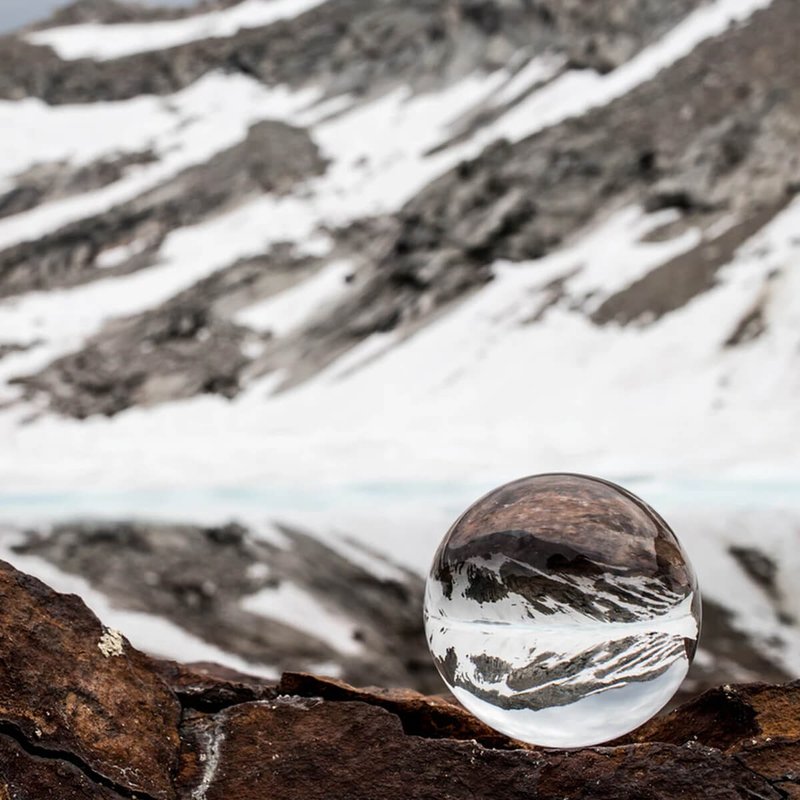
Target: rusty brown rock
729,717
758,724
301,747
419,714
84,715
208,687
70,685
25,776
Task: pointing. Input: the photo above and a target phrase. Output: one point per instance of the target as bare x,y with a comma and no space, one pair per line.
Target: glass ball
562,611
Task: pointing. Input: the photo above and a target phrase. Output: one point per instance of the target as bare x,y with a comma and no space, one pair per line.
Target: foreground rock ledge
85,715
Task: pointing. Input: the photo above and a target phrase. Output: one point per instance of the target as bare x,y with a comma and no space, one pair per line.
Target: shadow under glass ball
562,611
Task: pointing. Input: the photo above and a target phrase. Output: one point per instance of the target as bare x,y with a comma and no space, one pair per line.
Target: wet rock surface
205,732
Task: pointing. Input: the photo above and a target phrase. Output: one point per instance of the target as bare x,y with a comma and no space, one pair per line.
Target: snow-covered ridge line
572,94
105,42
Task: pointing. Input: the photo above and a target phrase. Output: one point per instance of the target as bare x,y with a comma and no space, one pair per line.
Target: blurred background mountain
286,284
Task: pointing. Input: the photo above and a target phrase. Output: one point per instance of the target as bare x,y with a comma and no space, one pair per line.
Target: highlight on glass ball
562,611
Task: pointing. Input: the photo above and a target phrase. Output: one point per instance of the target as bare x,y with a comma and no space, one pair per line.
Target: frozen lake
403,519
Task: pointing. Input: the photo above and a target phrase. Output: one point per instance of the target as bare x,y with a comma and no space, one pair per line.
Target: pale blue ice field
449,497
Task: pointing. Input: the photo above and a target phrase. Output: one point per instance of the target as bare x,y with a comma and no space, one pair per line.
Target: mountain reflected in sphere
562,611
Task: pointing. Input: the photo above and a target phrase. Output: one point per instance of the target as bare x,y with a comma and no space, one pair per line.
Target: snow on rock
185,129
293,606
289,309
576,91
102,42
477,394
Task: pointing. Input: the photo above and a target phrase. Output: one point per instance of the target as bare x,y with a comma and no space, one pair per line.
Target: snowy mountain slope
208,206
428,244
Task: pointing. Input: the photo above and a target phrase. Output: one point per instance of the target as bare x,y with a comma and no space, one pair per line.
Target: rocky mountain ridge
723,165
690,114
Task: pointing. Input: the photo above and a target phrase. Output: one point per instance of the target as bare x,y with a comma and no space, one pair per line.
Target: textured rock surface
46,182
77,722
69,685
520,201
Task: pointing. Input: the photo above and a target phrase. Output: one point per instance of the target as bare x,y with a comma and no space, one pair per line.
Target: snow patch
479,395
104,42
117,256
291,308
301,610
577,91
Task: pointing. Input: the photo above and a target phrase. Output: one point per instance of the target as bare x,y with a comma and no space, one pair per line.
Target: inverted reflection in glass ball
562,611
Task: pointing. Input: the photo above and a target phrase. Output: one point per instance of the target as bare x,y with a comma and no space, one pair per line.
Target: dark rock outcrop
8,348
113,12
520,201
175,351
46,182
728,173
84,715
272,158
108,12
181,348
186,346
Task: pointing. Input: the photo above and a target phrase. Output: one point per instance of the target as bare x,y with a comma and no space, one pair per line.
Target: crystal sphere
562,611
